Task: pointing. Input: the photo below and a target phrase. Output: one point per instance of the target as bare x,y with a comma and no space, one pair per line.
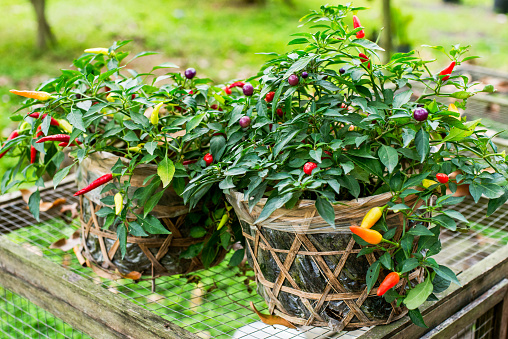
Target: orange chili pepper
390,281
42,96
368,235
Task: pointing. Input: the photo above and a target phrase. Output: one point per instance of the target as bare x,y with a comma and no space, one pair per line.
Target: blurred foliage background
220,38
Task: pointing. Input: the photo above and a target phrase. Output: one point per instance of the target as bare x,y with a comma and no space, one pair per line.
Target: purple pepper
420,114
248,90
305,75
342,71
190,73
244,121
293,80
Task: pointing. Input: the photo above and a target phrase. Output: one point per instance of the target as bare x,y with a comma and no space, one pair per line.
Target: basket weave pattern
154,248
338,301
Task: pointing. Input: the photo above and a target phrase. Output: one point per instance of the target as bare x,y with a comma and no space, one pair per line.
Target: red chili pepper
55,137
364,58
214,106
13,135
448,70
269,96
280,113
37,115
442,178
208,159
33,154
237,84
227,90
325,157
309,167
38,132
75,143
96,183
188,162
390,281
357,24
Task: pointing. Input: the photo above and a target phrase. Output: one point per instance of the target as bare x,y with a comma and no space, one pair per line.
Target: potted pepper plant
338,175
138,139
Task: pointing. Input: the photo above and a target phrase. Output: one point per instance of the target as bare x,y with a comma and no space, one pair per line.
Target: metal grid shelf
214,303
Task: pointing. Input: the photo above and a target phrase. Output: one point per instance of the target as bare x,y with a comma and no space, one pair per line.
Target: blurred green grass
217,37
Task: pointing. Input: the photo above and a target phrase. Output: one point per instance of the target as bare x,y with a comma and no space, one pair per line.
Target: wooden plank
470,313
88,305
501,319
475,281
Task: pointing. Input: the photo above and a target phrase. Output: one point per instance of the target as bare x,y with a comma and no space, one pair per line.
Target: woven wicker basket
309,273
157,255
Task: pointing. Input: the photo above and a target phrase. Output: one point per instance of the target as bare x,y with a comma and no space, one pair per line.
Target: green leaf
456,215
422,144
409,265
121,232
136,229
152,202
416,318
365,250
217,146
165,65
75,118
372,274
152,225
192,251
151,146
197,232
366,44
386,261
60,175
325,210
237,257
166,170
494,204
419,294
402,98
298,65
445,221
446,273
273,203
389,157
34,204
104,212
195,121
420,230
440,284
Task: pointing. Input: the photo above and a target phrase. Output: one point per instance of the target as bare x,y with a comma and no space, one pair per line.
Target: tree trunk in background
44,33
501,6
387,30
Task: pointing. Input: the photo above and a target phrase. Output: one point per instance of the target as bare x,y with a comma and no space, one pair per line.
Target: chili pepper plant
102,106
330,122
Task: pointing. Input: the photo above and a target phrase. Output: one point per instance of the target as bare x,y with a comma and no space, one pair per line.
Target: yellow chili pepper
453,108
372,216
25,125
111,97
42,96
427,183
118,203
154,118
65,125
98,50
223,221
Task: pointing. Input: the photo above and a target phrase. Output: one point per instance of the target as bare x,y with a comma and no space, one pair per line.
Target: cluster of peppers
373,237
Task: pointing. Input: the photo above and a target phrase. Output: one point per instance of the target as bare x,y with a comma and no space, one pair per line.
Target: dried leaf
270,319
79,256
65,244
73,208
131,275
44,206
